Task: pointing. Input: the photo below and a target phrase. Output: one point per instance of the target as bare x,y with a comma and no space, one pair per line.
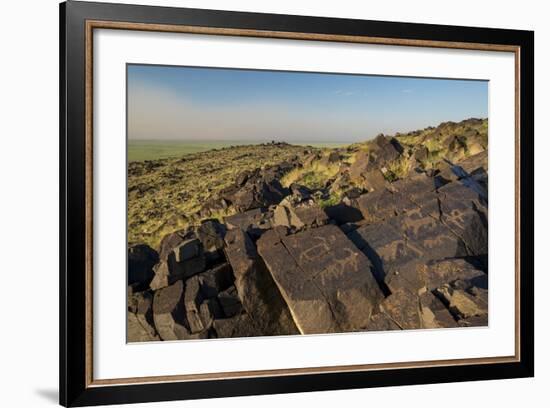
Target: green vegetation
166,195
141,150
169,182
314,174
332,199
450,140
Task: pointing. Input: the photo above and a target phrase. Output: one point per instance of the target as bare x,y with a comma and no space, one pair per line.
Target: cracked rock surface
385,235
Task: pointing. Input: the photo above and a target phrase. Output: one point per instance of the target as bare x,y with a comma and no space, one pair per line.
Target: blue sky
184,103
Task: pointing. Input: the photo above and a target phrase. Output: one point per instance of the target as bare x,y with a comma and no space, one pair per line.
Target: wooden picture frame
78,20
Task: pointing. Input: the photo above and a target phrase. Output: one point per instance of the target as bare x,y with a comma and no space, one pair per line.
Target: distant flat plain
140,150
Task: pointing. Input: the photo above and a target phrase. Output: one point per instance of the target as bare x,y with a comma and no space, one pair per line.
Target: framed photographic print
256,203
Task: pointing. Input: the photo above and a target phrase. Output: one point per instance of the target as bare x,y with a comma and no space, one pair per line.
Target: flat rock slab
325,280
254,222
255,287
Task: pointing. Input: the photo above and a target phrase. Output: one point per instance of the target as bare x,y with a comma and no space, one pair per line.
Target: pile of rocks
407,254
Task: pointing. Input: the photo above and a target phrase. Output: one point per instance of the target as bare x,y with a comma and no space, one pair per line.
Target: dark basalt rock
305,214
382,204
257,291
238,326
475,321
260,188
254,222
385,246
366,170
140,306
343,213
405,248
185,260
192,300
141,259
211,233
169,312
331,158
381,322
461,304
324,279
169,242
216,280
440,272
421,154
433,313
230,302
418,222
402,307
242,178
136,332
300,192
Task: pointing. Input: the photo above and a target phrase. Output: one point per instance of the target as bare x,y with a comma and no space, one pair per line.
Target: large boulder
211,233
418,221
366,170
382,204
260,188
386,149
169,241
300,215
254,222
325,280
259,295
185,259
141,259
141,326
169,312
386,247
464,211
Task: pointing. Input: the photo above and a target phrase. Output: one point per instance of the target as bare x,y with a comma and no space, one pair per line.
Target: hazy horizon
186,104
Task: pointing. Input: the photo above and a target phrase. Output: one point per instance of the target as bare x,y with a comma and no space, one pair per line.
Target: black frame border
72,125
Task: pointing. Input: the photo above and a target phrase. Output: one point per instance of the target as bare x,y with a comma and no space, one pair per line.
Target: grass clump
332,199
314,176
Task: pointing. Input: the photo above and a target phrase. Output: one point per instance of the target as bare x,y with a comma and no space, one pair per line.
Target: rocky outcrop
185,259
256,288
299,215
257,189
169,312
393,237
325,280
254,222
140,317
370,167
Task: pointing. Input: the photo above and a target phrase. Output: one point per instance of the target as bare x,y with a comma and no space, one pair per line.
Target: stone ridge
390,234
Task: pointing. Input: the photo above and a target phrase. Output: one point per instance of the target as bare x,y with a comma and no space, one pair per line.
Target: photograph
257,202
266,203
